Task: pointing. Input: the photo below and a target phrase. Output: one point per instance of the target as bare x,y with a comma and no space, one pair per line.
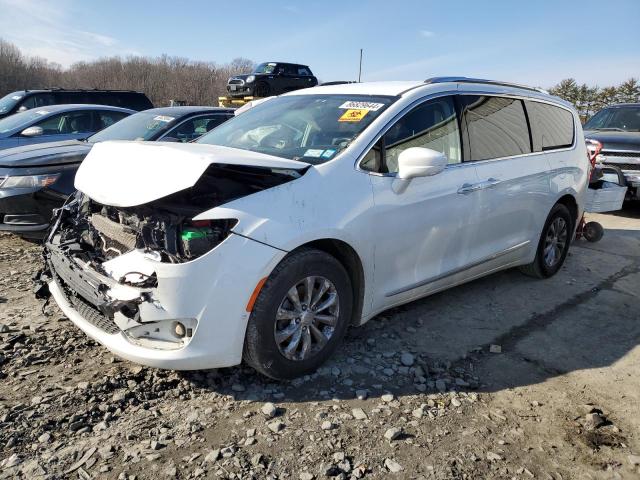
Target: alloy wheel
306,318
555,241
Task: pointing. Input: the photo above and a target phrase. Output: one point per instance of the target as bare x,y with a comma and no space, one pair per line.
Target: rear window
134,100
551,127
496,127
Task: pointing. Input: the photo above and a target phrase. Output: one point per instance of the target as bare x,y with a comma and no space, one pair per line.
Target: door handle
467,188
491,182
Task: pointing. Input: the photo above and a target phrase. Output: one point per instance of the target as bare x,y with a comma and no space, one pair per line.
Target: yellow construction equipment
231,102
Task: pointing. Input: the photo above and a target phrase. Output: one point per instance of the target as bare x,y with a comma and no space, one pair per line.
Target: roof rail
64,89
481,80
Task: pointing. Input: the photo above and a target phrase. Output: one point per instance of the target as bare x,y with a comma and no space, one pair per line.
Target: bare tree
161,78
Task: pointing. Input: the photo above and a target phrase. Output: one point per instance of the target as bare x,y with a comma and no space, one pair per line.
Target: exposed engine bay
164,226
87,235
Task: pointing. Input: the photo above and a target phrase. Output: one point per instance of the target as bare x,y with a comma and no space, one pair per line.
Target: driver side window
433,125
66,123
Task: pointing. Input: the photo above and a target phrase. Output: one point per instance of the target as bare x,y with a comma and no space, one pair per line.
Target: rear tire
553,245
270,342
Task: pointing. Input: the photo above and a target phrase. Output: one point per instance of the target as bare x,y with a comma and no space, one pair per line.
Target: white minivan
312,212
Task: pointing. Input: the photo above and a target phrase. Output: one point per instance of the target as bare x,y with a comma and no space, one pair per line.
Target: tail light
593,150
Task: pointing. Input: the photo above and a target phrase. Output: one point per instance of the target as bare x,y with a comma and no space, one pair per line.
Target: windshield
309,128
139,126
21,119
9,101
621,119
265,68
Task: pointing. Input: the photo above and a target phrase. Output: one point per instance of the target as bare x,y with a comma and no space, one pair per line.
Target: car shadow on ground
528,330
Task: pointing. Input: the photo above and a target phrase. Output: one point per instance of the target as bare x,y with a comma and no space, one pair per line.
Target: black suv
271,78
26,99
617,128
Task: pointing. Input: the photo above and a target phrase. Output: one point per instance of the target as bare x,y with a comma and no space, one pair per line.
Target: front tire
300,316
553,245
262,90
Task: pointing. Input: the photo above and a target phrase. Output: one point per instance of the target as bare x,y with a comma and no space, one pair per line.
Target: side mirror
32,132
420,162
22,109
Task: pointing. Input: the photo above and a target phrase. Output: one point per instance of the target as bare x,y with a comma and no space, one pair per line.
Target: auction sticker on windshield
363,105
164,118
313,153
353,115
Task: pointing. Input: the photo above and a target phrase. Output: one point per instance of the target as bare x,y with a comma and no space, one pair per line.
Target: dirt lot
416,393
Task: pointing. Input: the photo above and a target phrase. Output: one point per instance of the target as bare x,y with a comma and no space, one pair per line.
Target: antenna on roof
360,69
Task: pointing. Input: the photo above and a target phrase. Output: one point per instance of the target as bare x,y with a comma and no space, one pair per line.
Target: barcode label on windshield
362,106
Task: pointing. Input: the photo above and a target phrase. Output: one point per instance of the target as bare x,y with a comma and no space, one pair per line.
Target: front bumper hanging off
204,300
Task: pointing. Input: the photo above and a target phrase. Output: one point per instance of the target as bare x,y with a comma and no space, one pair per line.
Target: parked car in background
268,237
56,123
36,179
271,78
27,99
617,128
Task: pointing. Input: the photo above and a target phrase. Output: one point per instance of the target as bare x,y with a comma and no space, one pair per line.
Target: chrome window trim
461,164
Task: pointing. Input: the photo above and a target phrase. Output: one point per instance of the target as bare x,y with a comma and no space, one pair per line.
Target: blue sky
533,42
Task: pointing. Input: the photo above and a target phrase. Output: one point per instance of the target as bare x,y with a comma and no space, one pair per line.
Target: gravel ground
505,377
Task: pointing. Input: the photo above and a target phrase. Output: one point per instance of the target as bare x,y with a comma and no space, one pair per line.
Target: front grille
236,81
86,310
623,166
621,154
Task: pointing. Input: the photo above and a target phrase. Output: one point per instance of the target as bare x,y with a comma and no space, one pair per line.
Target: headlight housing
198,237
250,78
30,181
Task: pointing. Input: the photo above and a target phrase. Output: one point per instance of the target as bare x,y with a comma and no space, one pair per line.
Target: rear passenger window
71,97
495,127
551,126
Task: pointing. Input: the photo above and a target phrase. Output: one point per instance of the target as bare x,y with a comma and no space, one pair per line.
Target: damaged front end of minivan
125,269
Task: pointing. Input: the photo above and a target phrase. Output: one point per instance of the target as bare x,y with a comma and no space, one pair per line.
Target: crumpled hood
127,174
615,140
43,154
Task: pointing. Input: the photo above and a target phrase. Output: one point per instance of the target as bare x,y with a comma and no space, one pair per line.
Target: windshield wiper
612,129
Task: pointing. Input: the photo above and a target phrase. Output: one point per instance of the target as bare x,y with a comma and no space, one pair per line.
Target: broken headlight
197,237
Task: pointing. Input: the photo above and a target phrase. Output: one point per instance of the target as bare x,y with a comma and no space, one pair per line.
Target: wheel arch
350,260
570,202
